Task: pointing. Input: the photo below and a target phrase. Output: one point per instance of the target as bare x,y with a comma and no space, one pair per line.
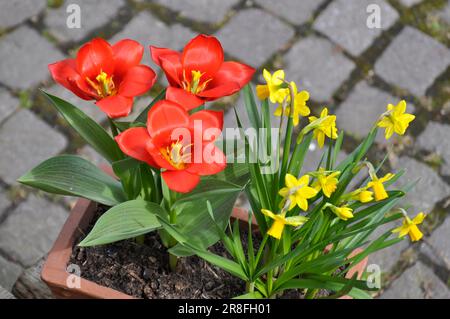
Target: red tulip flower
199,73
184,159
110,75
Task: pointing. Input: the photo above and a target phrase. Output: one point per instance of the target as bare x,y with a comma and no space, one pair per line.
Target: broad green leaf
142,118
127,170
89,130
236,173
193,219
127,220
74,176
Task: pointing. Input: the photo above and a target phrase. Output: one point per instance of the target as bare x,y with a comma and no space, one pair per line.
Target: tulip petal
209,120
95,57
64,72
137,80
203,53
187,100
133,142
127,53
220,91
232,72
213,161
171,65
180,181
116,106
157,52
166,115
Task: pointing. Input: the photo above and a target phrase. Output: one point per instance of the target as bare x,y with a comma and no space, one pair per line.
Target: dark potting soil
142,270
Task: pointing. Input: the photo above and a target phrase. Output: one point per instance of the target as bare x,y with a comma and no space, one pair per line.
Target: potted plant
154,225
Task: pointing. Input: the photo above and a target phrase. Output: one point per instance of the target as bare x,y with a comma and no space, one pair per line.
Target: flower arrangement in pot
172,182
316,227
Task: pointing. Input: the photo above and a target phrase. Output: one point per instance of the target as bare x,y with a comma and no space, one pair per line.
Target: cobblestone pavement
325,45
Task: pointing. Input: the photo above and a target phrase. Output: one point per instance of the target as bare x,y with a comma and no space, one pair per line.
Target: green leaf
316,284
250,295
127,171
193,219
142,118
89,130
217,260
252,108
123,126
127,220
74,176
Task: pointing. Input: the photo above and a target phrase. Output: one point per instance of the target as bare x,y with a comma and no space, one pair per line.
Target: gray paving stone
91,155
358,113
5,294
4,201
253,36
24,56
413,61
430,188
14,12
345,22
317,66
410,3
148,30
296,12
29,232
417,282
435,139
25,141
87,107
387,258
210,11
9,273
445,13
94,14
440,254
8,104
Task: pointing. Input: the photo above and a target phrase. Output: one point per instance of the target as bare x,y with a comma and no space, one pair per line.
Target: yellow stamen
177,154
103,85
194,86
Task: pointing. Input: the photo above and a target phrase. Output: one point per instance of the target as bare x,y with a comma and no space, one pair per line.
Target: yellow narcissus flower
377,186
409,227
300,107
276,230
297,191
327,127
274,89
395,119
343,212
326,182
362,195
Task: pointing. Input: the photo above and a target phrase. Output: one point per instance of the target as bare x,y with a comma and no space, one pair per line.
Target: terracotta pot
54,272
